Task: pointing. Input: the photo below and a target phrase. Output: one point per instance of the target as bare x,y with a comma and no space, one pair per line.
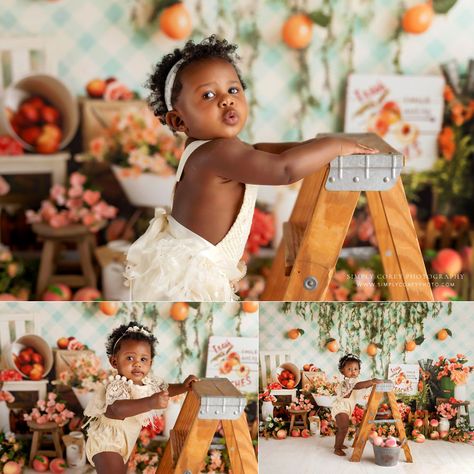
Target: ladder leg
321,244
302,211
399,424
398,245
239,446
364,429
196,446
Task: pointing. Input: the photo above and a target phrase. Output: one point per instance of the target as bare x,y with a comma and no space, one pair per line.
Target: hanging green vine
359,324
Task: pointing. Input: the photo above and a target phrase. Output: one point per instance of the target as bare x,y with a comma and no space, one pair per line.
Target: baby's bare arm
238,161
367,383
122,409
277,148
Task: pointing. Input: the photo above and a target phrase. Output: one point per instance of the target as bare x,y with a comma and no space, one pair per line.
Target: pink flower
75,191
60,220
89,219
341,293
32,217
97,147
47,211
91,197
77,179
58,194
365,230
103,210
340,276
74,203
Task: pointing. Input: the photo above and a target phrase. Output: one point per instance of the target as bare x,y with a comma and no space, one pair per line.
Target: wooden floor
315,455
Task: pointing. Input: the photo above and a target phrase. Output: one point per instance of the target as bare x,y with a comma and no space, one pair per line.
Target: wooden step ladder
306,258
210,401
362,435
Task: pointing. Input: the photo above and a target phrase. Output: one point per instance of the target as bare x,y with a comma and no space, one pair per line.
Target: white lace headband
169,83
131,329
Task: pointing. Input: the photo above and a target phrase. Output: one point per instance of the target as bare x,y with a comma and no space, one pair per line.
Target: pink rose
47,211
89,219
91,197
60,220
117,91
77,179
58,194
74,203
97,147
32,217
102,209
75,191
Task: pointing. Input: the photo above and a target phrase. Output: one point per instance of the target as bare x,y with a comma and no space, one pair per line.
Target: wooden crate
97,115
64,358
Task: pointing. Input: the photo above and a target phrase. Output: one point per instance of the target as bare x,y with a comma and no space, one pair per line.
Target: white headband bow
131,329
169,83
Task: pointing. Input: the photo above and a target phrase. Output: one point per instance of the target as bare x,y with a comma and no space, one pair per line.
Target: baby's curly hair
348,358
124,333
210,47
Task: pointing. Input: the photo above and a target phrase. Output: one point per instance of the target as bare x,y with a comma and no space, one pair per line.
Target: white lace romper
120,436
169,262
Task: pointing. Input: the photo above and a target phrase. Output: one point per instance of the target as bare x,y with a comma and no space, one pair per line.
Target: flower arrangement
262,232
266,396
446,410
321,385
216,461
139,143
143,461
357,281
460,435
84,373
74,205
151,430
272,428
453,368
12,273
48,410
450,177
11,450
300,404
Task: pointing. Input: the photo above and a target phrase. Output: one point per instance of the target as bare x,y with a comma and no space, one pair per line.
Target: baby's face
211,103
351,369
133,360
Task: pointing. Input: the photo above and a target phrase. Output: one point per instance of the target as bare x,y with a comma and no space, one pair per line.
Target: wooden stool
53,239
294,414
38,432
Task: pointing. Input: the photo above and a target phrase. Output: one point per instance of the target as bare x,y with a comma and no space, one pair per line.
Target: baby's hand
376,381
190,379
351,147
160,399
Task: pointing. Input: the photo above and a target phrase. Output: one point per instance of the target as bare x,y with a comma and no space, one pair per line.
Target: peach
30,134
96,88
447,261
420,438
373,435
378,441
305,433
281,434
415,433
444,293
11,467
443,434
57,466
434,435
87,294
390,442
7,297
418,423
62,342
295,433
57,292
434,423
50,114
439,221
40,463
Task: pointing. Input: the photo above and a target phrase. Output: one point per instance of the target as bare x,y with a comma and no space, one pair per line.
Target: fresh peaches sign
406,111
235,358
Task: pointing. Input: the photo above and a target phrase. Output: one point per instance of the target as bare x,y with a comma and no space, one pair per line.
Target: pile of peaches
30,363
287,379
38,123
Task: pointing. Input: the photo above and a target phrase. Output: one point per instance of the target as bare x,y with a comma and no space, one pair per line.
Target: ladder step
381,422
292,237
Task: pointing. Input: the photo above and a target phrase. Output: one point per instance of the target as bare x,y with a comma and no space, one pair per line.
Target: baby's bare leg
342,423
108,462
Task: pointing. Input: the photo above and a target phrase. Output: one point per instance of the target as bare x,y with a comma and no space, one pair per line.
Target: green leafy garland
372,322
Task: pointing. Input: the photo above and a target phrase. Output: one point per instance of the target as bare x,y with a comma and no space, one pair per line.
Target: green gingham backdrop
274,324
96,39
92,327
